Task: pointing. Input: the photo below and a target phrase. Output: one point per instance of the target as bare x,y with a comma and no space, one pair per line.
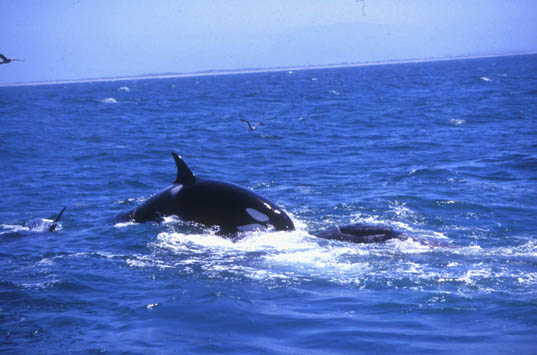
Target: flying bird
250,126
6,60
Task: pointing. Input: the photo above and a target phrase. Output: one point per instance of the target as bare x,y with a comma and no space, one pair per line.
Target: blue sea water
441,150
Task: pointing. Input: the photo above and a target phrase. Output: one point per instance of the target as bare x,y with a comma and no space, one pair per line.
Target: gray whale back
44,224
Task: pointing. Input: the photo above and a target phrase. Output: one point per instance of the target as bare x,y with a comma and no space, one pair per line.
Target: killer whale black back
213,203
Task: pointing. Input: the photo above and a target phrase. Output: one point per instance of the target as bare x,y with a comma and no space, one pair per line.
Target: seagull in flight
6,60
250,126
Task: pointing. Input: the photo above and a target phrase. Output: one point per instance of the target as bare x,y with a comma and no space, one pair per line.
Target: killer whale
227,206
43,224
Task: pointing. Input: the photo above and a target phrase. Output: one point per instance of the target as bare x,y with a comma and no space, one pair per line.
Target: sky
82,39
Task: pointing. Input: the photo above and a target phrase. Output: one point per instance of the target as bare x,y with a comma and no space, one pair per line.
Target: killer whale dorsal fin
184,174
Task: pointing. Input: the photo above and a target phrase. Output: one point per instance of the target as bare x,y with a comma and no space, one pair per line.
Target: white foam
124,224
109,100
251,227
484,78
457,122
286,258
39,285
146,261
407,246
283,256
130,200
124,89
472,276
11,228
171,219
528,279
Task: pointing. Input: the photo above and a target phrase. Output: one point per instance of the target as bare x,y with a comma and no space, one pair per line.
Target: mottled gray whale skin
212,203
361,233
44,225
372,233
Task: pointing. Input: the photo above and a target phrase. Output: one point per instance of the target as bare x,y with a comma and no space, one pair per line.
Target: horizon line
220,72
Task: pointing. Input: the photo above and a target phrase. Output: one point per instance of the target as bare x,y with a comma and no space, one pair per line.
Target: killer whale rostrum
234,209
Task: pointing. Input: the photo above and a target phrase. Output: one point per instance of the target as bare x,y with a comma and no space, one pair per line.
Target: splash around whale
234,209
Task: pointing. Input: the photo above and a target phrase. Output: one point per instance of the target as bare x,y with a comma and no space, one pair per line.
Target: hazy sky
75,39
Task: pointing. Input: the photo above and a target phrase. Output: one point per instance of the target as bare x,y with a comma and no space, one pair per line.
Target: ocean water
441,150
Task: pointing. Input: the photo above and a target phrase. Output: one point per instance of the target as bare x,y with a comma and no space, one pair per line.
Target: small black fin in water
184,175
56,220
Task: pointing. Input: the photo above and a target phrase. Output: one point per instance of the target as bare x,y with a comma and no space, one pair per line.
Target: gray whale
43,224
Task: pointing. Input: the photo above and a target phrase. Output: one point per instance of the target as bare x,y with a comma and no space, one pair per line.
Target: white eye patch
175,190
258,216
